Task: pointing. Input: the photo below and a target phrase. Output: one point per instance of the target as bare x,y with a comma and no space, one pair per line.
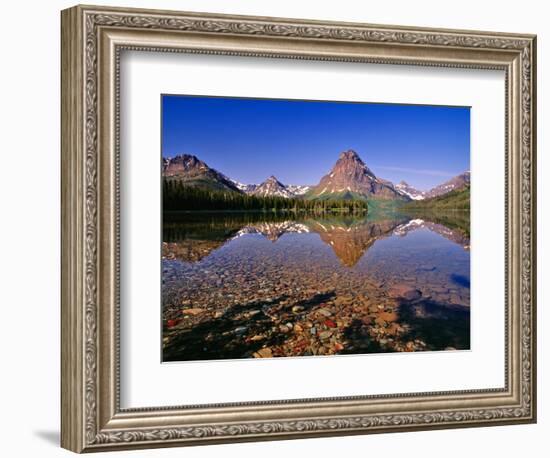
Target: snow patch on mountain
406,189
297,189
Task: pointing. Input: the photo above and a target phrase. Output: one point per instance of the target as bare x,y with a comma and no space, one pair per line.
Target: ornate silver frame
92,39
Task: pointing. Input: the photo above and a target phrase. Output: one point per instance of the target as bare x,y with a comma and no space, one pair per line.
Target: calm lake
240,285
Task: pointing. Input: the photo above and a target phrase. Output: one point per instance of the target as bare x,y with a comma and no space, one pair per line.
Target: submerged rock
193,311
404,291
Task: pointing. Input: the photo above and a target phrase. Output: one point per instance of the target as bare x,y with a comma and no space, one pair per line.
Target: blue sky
299,141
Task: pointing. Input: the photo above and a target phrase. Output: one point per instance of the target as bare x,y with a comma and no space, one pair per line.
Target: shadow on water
440,325
357,334
228,336
460,280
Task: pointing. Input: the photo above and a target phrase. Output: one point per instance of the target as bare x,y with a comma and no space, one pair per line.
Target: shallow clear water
239,286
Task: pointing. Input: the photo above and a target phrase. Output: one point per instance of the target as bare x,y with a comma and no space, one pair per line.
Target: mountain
294,190
455,183
193,172
405,188
351,178
272,187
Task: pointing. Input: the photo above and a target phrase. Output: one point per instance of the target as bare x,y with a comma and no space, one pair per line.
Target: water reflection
242,285
191,238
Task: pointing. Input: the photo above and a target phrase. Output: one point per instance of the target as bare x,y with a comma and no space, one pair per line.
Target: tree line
176,196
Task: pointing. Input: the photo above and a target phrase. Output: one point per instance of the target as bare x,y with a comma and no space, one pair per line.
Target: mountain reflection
191,238
351,241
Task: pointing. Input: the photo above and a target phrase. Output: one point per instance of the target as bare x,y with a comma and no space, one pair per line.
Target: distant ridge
455,183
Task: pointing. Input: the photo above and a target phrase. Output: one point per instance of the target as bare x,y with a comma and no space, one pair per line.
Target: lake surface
266,285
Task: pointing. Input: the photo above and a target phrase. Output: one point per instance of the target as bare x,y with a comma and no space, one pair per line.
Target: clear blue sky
299,141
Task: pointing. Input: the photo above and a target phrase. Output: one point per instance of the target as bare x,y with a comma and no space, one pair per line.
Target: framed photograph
277,228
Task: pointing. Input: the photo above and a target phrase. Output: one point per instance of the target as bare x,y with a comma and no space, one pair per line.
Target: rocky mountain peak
350,164
272,187
190,170
350,176
350,155
183,163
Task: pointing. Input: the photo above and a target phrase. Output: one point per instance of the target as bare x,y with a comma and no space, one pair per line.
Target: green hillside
345,195
454,200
